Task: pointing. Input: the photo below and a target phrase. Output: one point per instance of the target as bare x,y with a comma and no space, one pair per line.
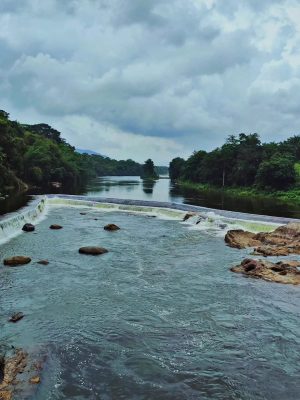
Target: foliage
38,155
243,161
148,170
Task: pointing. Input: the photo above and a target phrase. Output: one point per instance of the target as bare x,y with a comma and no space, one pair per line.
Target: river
158,317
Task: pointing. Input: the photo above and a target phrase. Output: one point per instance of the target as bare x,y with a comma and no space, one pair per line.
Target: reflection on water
134,188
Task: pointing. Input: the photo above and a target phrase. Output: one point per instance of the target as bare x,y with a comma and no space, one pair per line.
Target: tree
277,173
148,170
176,168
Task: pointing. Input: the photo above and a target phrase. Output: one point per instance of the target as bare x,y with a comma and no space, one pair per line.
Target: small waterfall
11,224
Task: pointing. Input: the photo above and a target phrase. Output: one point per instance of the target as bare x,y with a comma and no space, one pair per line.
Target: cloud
180,74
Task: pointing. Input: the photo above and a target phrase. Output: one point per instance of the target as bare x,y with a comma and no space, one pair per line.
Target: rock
282,241
82,213
28,228
17,260
5,395
240,239
281,272
91,250
35,380
188,216
55,226
11,368
16,317
111,227
43,262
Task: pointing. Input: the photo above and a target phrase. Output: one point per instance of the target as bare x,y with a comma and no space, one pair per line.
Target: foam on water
11,225
215,222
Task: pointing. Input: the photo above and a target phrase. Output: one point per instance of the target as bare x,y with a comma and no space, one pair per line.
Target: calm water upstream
132,187
158,317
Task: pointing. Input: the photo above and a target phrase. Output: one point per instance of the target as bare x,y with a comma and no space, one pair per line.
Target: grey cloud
189,71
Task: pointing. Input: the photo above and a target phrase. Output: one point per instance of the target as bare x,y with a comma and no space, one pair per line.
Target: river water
160,316
132,187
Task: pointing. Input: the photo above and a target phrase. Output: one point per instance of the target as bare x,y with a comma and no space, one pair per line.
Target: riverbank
291,196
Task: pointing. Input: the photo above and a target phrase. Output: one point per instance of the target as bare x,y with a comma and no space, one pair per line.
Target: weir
205,218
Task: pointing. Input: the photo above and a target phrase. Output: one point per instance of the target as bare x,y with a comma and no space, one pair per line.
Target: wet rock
83,213
282,241
43,262
92,250
55,226
10,369
17,260
281,272
16,317
35,380
188,216
28,228
240,239
111,227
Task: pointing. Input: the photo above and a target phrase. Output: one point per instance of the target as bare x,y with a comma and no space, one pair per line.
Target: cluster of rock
11,367
283,241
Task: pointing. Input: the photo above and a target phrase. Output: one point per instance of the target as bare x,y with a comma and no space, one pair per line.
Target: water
158,317
133,188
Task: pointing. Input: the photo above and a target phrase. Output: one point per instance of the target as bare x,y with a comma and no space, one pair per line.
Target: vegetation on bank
36,155
148,170
244,166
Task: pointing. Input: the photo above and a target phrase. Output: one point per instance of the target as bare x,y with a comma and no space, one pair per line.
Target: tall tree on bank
148,170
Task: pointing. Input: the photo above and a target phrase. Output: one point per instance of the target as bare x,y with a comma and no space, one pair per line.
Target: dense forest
243,161
36,155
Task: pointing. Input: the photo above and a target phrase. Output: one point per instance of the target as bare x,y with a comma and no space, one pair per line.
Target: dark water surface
132,187
158,317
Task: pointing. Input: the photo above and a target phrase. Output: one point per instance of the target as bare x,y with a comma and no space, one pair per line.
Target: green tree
148,170
277,173
176,168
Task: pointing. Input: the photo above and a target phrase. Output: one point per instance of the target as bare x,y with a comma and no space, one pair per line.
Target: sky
152,78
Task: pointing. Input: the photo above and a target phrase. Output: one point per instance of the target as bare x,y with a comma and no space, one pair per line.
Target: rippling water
158,317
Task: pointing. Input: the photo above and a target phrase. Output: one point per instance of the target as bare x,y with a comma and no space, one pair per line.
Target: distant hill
89,152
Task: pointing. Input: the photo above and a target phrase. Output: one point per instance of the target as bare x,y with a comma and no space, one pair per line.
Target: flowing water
160,316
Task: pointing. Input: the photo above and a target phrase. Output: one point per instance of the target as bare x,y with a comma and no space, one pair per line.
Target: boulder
111,227
16,317
282,241
17,260
55,226
28,228
240,239
280,272
92,250
188,216
43,262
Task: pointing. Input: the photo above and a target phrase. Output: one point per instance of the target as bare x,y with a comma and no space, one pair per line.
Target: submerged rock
281,272
83,213
111,227
28,228
17,260
16,317
43,262
92,250
282,241
55,226
35,380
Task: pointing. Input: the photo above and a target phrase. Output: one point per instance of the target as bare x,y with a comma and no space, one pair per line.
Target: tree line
36,155
243,161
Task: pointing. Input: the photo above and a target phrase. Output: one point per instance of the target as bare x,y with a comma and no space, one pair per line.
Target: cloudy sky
152,78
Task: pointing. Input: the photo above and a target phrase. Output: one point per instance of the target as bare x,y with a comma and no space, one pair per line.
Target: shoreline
287,197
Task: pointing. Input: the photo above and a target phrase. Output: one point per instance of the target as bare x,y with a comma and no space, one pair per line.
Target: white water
205,220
